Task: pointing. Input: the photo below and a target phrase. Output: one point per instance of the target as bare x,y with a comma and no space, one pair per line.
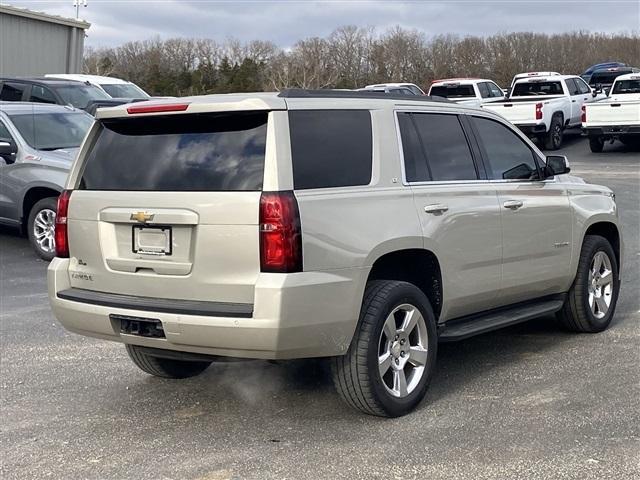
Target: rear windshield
191,152
457,91
605,78
626,86
526,89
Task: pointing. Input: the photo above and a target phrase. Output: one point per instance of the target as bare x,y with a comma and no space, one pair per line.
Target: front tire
596,144
591,302
41,228
391,359
553,138
165,367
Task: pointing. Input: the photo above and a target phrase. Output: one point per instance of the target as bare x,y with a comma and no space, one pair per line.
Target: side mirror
598,90
557,165
7,151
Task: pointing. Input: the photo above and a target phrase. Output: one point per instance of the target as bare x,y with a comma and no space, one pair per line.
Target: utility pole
76,3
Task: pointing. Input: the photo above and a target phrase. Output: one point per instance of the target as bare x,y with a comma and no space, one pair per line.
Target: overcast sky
114,22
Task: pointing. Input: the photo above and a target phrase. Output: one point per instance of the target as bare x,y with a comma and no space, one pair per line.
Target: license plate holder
152,240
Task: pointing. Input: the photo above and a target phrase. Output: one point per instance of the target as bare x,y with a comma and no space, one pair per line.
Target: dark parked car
603,78
586,75
80,95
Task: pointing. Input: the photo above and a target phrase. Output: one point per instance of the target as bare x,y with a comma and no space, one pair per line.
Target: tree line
351,57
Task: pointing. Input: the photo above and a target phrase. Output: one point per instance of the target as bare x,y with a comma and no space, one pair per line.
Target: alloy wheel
402,350
600,284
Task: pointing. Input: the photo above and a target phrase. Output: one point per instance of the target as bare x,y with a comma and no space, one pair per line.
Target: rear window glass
192,152
606,78
453,91
536,88
627,86
330,148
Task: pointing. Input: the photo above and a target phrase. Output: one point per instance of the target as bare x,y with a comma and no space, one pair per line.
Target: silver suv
358,226
38,142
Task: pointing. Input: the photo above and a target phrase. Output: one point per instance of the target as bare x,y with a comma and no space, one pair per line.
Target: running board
466,327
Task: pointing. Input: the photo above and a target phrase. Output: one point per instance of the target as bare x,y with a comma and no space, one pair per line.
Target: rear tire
391,359
41,228
553,138
165,367
591,302
596,144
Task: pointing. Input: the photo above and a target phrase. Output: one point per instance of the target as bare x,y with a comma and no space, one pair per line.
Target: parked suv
37,145
364,228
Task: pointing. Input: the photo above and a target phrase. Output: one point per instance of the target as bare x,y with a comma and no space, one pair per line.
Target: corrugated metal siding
35,47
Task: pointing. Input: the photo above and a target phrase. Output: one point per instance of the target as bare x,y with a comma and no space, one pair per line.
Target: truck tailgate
612,113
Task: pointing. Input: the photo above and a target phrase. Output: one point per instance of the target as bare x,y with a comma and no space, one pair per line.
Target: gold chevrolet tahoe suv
361,227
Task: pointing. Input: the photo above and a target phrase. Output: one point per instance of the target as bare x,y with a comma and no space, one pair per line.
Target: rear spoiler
93,106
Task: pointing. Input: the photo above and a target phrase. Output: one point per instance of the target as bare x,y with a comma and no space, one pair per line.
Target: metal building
35,43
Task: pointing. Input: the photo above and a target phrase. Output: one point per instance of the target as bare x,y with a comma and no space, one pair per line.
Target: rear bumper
612,130
532,128
309,314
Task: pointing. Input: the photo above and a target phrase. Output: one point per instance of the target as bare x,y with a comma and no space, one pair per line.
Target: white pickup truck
467,91
543,107
616,117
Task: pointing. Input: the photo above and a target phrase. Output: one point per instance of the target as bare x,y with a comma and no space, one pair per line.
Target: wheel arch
610,231
418,266
33,195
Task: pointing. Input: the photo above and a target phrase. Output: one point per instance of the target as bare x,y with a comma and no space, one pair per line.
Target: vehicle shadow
304,389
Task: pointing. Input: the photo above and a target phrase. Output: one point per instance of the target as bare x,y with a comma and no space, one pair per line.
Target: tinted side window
12,92
495,90
4,133
582,86
508,157
484,90
41,95
415,164
330,148
445,147
572,86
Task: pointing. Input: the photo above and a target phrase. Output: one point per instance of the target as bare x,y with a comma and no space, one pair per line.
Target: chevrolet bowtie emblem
142,217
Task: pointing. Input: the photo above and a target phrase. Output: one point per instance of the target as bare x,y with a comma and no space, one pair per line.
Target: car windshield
526,89
52,131
81,95
124,90
627,86
453,91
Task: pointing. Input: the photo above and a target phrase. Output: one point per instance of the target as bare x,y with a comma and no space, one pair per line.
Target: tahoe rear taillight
62,239
583,117
280,233
538,111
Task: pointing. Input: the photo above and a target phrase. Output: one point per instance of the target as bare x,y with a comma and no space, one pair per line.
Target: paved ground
527,402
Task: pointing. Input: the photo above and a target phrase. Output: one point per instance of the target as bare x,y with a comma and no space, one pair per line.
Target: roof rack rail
331,93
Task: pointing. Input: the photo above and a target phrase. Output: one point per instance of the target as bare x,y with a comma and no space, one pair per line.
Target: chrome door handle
513,204
436,208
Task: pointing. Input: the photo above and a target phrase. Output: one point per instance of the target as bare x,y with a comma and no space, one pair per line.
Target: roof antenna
76,3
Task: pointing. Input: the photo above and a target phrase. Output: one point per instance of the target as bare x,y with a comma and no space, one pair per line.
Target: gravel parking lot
530,401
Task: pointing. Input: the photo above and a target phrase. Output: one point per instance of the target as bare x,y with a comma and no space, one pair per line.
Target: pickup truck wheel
596,144
165,367
592,299
391,359
41,228
553,139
